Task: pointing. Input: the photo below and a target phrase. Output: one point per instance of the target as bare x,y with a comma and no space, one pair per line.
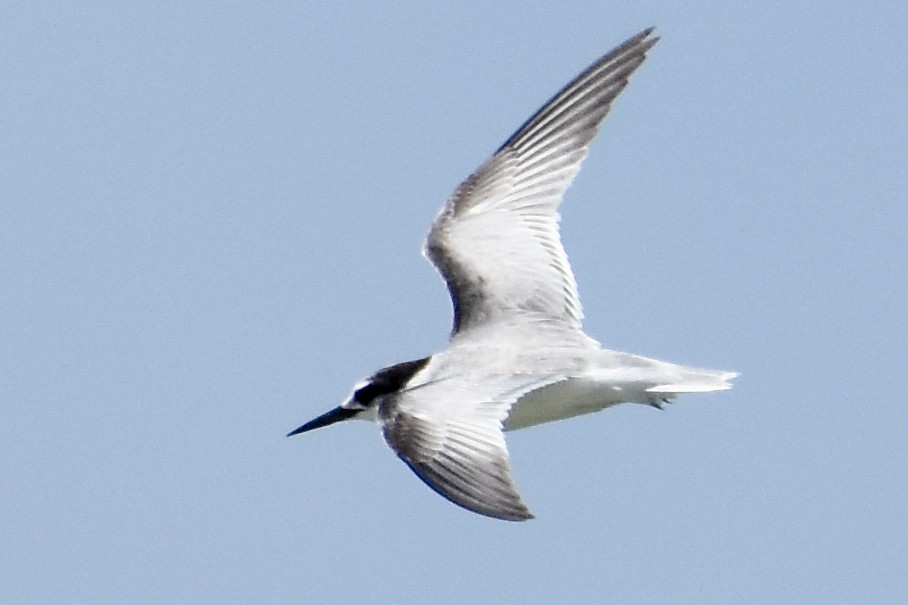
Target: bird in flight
517,354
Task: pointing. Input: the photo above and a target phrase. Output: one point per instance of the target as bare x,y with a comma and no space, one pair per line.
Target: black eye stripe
368,393
389,380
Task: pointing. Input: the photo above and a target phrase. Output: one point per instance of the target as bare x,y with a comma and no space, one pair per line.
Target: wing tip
645,36
510,509
517,516
526,516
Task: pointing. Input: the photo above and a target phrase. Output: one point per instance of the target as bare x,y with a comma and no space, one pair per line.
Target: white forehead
350,401
370,413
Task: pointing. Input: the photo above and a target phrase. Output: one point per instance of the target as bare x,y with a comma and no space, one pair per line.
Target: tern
517,355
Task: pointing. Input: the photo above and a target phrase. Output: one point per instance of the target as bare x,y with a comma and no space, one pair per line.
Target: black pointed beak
335,415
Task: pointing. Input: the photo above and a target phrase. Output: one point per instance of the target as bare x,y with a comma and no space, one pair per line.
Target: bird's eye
366,393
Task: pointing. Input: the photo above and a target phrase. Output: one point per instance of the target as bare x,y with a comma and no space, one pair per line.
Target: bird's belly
571,397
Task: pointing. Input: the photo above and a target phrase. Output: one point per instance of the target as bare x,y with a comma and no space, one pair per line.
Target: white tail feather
700,384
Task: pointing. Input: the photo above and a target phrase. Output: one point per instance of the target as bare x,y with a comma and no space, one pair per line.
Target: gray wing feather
449,432
461,464
496,240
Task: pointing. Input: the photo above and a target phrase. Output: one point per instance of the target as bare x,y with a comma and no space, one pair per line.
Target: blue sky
211,222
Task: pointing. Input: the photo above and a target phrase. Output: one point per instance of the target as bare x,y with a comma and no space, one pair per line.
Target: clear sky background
210,223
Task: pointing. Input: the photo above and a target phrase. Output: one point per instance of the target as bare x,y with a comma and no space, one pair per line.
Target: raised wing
496,240
451,436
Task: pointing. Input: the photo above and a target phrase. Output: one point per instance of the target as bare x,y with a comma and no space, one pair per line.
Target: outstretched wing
449,432
496,240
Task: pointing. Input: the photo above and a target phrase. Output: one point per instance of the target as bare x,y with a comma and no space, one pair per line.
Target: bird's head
367,395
